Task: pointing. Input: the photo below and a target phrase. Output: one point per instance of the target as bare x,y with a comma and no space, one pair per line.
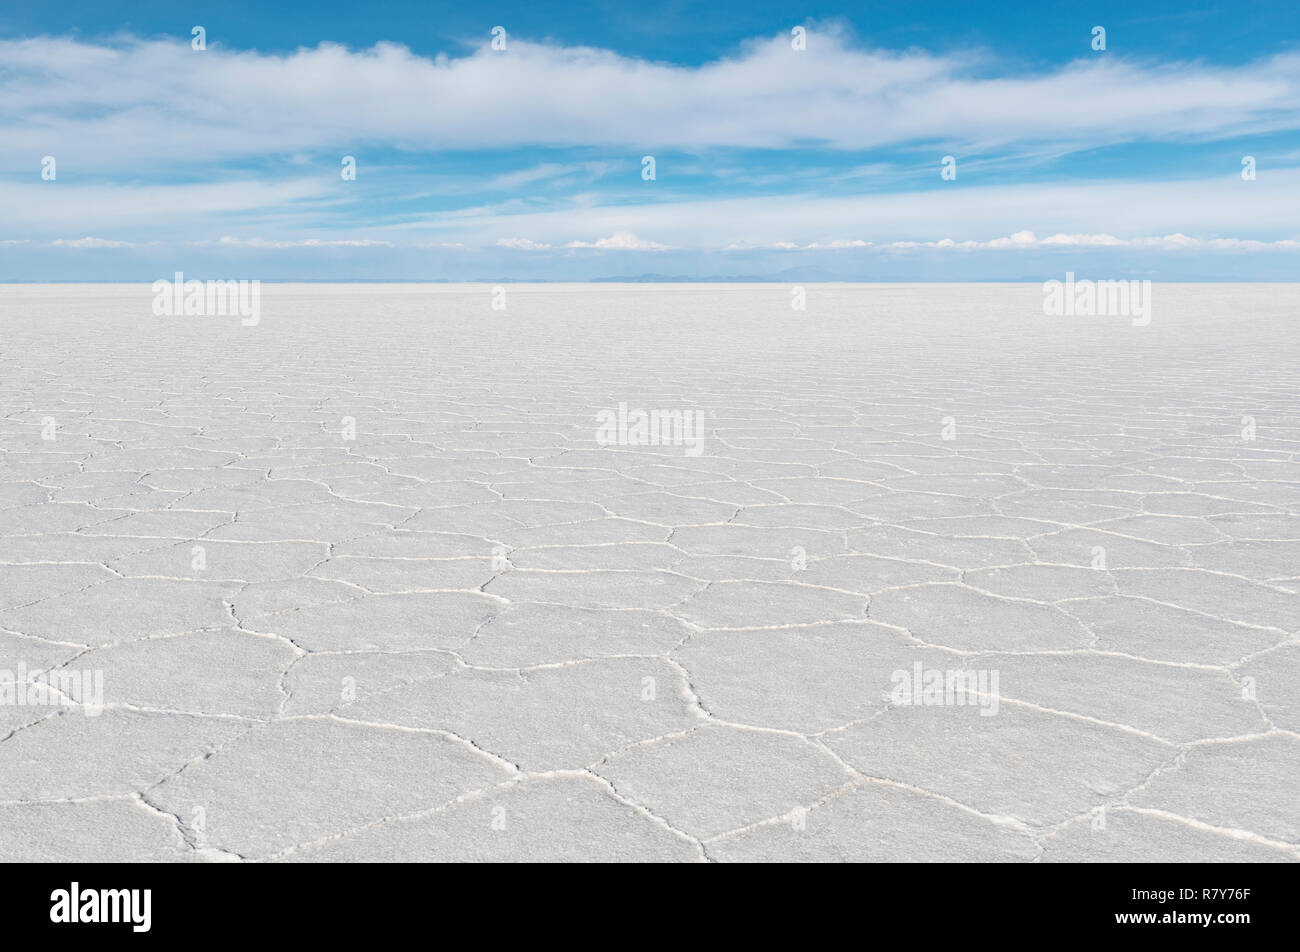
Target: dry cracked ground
361,583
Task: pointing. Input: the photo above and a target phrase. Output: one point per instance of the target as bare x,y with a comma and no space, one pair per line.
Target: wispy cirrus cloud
71,203
547,171
1264,210
1222,212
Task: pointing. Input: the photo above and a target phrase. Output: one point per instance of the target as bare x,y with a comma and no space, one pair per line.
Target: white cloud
840,243
547,171
97,102
628,241
1024,240
93,104
66,205
89,242
1266,210
522,244
231,241
764,246
620,241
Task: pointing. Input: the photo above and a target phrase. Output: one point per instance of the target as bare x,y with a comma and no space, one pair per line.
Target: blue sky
770,162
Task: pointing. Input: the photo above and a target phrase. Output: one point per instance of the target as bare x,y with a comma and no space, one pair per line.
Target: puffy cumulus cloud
1026,240
89,242
98,101
628,241
620,241
232,242
522,244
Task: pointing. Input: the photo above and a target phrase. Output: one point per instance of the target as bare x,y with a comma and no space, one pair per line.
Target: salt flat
365,581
